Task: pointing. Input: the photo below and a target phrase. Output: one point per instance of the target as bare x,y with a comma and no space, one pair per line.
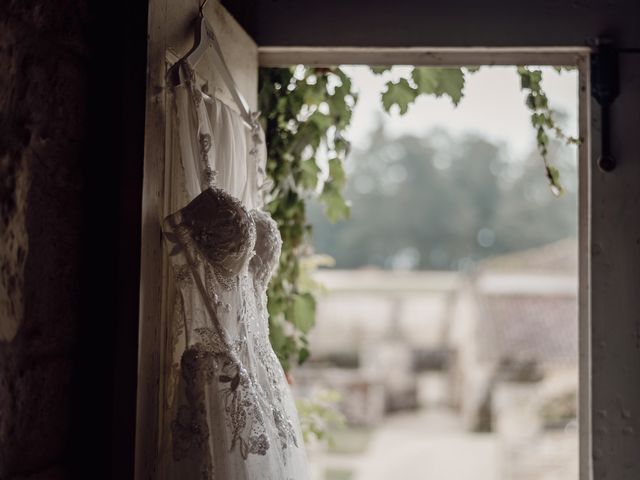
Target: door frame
577,57
151,295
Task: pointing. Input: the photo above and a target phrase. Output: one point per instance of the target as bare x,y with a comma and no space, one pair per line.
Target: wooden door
171,24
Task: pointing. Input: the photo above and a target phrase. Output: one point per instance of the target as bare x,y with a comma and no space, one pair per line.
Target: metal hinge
605,87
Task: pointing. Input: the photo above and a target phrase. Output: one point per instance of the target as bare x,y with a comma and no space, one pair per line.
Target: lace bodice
223,256
267,249
220,228
229,236
233,417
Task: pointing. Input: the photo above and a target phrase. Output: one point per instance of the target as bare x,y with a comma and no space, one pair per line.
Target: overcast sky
493,106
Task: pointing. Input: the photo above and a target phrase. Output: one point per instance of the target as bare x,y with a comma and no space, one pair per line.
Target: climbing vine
450,82
306,111
305,114
543,122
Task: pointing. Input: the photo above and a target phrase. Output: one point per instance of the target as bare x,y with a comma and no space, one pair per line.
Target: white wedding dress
232,416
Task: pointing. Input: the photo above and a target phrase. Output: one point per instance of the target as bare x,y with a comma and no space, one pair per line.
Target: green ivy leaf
339,110
440,81
336,207
309,174
336,172
541,101
399,93
303,312
321,121
314,95
530,79
276,332
303,355
541,120
341,144
542,137
344,89
553,175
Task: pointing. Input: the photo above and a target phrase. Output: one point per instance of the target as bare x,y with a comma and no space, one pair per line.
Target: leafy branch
320,415
306,113
450,82
542,120
433,81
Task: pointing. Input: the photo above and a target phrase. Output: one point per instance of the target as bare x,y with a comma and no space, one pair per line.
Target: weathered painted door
171,31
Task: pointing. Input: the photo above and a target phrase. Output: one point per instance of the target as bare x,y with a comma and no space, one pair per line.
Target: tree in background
437,202
306,111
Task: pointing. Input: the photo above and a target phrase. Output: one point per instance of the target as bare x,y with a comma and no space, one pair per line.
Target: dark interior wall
72,76
72,79
454,23
43,88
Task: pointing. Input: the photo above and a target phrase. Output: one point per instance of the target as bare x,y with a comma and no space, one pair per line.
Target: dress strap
225,73
204,152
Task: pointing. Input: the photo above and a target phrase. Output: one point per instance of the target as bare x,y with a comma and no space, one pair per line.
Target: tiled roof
528,327
561,256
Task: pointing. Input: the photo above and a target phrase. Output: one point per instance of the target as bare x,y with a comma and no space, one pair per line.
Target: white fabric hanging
232,155
229,410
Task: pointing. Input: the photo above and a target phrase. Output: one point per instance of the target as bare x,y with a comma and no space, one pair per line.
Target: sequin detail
232,251
231,404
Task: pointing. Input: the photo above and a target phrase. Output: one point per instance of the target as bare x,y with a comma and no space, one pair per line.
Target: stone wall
43,89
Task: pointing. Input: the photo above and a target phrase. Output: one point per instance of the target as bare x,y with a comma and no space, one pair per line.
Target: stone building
515,373
390,325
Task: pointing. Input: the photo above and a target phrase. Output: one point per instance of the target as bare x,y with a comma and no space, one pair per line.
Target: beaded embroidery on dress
232,416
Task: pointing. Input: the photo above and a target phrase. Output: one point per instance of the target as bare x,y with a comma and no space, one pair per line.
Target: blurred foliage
352,440
556,412
338,474
320,415
462,199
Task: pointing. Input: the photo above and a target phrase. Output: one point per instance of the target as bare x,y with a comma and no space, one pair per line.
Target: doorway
338,284
154,197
